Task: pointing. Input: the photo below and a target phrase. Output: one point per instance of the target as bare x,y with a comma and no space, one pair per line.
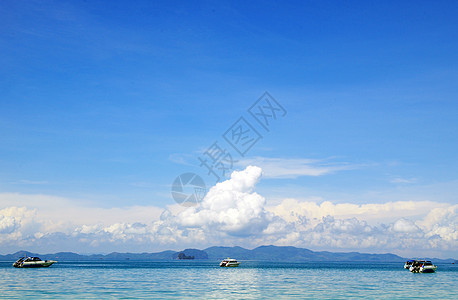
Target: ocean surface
206,280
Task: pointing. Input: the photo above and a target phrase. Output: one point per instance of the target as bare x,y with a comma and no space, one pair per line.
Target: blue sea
206,280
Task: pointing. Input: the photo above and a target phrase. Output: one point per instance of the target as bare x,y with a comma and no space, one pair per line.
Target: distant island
190,254
262,253
181,255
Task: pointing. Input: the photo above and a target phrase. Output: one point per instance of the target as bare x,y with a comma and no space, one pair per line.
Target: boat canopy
32,259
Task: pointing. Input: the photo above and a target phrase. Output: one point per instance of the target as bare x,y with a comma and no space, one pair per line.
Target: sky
335,122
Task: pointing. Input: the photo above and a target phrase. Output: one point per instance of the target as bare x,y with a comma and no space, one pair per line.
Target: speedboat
409,263
229,262
423,266
32,262
427,267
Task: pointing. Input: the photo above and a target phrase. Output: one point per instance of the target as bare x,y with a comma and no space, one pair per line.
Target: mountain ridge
261,253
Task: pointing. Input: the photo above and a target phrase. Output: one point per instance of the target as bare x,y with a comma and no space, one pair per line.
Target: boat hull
230,265
428,270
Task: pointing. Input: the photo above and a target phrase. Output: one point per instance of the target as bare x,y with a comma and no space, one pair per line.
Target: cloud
405,226
442,222
232,213
291,209
403,180
60,210
231,206
17,223
7,224
293,168
183,159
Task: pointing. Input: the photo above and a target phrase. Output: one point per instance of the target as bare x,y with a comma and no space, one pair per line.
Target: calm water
204,279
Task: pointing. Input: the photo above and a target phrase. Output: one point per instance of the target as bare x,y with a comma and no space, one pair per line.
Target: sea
203,279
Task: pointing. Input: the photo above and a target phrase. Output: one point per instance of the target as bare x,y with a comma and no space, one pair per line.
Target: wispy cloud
403,180
182,159
296,167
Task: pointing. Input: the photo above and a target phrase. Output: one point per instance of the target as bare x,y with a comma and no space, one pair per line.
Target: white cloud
60,211
17,223
293,168
430,228
7,224
231,206
406,226
232,213
403,180
442,222
292,209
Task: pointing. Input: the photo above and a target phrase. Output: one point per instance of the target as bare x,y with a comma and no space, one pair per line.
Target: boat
229,262
423,266
32,262
428,267
409,263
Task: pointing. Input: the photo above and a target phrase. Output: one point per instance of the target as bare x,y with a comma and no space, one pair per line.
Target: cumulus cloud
231,206
293,209
17,224
442,222
232,213
406,226
7,224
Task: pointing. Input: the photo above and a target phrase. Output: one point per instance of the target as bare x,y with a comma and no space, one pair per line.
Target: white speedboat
32,262
427,267
229,262
423,266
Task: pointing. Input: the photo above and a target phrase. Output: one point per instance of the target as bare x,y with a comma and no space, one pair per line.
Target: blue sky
105,103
